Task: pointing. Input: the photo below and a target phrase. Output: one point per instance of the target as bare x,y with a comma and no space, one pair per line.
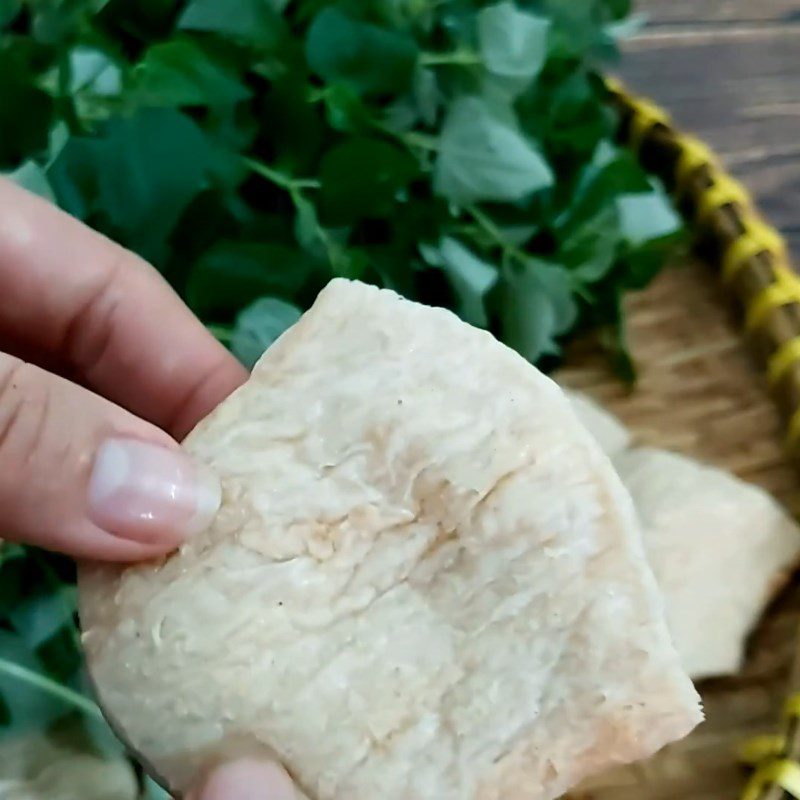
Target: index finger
107,315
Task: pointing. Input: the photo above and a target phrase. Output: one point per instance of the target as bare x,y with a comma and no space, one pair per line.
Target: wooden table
729,70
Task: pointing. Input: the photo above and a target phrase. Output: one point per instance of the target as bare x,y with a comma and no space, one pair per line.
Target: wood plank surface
729,70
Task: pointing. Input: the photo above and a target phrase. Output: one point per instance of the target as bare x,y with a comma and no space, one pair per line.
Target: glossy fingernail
247,779
149,493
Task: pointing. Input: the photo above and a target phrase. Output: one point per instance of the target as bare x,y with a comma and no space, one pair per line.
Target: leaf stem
279,178
324,237
51,687
422,140
64,99
462,58
56,585
489,226
222,333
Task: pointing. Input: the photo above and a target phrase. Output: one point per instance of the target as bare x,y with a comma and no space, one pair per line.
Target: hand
88,465
246,780
89,462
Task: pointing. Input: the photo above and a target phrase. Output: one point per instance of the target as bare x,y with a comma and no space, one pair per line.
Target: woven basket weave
694,335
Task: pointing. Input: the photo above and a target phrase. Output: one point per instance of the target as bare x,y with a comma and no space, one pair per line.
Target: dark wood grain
729,70
697,12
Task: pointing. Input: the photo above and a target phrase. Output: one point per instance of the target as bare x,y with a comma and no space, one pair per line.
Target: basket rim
710,197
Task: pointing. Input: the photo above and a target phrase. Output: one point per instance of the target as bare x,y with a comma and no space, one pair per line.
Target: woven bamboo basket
717,345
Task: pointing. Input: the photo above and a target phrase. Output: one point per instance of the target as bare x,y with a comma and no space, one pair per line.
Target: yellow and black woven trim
775,758
752,260
750,254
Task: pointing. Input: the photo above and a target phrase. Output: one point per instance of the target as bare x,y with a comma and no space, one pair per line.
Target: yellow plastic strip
785,274
782,359
694,154
784,773
791,707
759,748
757,238
614,85
645,116
723,191
777,294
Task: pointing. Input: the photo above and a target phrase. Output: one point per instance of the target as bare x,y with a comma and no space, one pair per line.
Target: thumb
84,477
246,779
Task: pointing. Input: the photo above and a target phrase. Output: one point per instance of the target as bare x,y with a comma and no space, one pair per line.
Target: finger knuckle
90,333
24,409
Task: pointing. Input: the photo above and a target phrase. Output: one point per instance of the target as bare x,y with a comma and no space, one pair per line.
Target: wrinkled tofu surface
720,549
425,582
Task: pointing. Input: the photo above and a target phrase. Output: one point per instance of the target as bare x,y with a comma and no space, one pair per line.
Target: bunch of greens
460,152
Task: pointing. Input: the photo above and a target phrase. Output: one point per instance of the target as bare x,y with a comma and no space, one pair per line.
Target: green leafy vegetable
181,73
513,42
539,306
32,177
255,22
484,157
646,217
259,325
361,178
470,277
366,57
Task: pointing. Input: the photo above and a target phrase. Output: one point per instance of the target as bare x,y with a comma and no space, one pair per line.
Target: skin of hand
102,371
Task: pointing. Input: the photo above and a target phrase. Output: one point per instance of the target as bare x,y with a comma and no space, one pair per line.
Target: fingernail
148,493
247,779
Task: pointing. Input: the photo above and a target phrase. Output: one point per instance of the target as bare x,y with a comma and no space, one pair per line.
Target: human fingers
82,476
106,316
246,779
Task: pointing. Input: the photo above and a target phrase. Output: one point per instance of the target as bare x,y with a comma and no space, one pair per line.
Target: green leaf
14,576
362,178
366,57
152,791
513,42
32,177
94,71
181,73
644,217
22,678
233,274
25,112
10,552
485,157
296,127
590,249
538,307
576,27
470,277
327,244
8,11
255,22
139,175
609,173
565,110
259,325
101,738
345,108
427,95
517,235
38,618
626,28
613,338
